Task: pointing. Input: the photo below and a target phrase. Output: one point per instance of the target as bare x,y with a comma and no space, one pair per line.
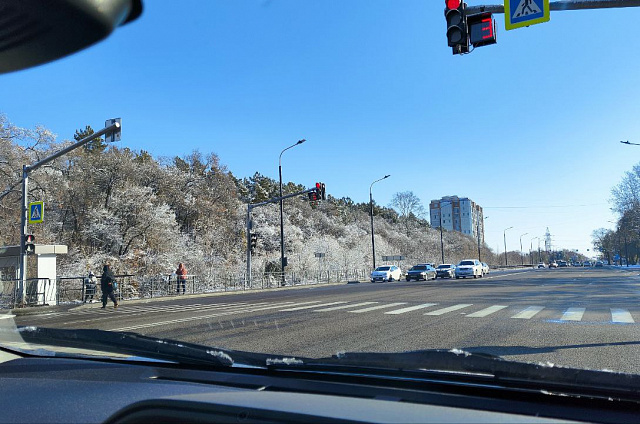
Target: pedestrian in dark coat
107,284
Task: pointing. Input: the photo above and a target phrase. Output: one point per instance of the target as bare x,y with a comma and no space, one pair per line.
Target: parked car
446,271
553,265
562,264
542,265
599,264
586,263
421,272
386,273
469,268
485,268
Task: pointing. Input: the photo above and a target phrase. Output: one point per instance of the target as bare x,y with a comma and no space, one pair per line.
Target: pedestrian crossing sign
521,13
36,212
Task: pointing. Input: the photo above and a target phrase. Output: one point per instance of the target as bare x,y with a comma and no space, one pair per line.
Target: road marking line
299,308
573,314
621,315
197,318
410,308
373,308
529,312
335,308
449,309
486,311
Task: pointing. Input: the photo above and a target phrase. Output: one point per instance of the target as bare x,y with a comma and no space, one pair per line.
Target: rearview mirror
33,32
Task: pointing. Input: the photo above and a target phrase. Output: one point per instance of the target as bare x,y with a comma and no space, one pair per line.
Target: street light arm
107,130
290,147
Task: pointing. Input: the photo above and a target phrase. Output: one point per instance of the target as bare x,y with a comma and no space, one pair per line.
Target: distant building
458,214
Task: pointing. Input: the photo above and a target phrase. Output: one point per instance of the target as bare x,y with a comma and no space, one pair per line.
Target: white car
386,273
469,268
542,265
485,268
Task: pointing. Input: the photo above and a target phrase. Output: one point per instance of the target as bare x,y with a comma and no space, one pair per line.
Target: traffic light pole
250,207
114,128
563,5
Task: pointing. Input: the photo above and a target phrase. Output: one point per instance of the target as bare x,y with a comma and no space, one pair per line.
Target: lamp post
522,254
373,240
478,233
505,246
531,249
282,259
441,236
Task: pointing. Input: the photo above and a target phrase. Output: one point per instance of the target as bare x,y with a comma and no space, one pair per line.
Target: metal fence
38,292
70,290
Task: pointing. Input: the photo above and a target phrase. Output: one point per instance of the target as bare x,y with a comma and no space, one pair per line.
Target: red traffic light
452,4
29,238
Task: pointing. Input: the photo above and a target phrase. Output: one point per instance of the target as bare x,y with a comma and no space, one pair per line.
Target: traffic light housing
29,244
254,241
457,32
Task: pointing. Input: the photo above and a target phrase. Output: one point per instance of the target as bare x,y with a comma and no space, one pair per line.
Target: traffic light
482,29
457,34
254,241
29,246
319,193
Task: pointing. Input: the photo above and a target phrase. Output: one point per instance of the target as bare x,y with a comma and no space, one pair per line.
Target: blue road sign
36,212
521,13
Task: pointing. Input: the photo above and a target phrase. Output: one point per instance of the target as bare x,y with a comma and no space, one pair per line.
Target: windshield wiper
484,366
141,346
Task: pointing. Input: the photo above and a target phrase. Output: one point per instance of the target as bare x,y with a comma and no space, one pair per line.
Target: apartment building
458,214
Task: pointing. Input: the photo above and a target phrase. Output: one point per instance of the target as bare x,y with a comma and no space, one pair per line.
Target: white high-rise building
458,214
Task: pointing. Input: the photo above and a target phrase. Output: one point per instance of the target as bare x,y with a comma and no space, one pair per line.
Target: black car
421,272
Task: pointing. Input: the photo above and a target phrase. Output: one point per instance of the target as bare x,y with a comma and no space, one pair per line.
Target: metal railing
74,290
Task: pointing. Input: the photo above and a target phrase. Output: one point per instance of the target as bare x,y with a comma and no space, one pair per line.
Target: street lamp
282,260
522,254
441,236
478,234
373,241
531,249
505,245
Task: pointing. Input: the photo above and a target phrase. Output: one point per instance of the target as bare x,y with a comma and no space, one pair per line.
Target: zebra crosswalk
431,310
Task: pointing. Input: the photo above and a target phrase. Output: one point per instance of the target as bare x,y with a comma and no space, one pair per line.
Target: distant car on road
562,264
586,263
469,268
485,268
421,272
541,265
386,273
553,265
446,271
599,264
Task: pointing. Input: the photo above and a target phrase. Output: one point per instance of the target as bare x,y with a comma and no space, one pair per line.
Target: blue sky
528,128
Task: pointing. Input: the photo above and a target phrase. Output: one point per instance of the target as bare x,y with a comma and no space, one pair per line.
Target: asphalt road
579,317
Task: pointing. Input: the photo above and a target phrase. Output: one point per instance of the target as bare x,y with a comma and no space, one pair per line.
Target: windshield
263,156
